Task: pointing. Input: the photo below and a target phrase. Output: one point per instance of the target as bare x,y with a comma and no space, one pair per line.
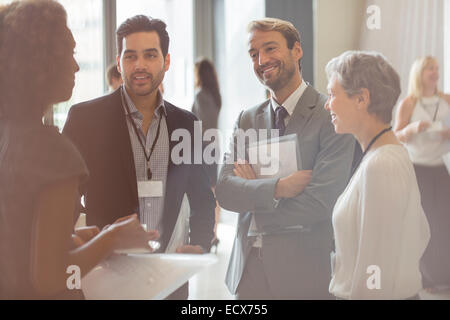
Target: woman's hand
129,233
87,233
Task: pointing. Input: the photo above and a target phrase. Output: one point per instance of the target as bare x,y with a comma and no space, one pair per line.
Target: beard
281,79
155,81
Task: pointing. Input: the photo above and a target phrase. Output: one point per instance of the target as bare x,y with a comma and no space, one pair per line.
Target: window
239,86
177,14
86,22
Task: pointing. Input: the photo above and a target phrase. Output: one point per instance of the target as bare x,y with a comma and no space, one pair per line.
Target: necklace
368,148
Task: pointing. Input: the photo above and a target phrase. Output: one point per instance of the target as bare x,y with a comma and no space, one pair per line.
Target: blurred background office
216,29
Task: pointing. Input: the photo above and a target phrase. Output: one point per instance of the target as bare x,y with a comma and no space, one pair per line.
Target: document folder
142,276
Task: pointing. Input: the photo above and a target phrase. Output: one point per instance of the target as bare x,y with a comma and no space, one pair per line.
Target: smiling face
274,63
343,109
141,63
430,74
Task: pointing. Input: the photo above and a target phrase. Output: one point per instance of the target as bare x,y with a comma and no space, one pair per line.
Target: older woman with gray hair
379,225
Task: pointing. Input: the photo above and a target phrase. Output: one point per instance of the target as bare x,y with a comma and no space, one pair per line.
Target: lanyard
147,157
435,110
368,147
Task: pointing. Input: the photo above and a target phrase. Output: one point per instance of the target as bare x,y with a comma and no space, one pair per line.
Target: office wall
408,30
446,62
337,28
300,13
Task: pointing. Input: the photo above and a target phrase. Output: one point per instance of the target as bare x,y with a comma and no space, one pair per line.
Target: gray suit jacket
297,264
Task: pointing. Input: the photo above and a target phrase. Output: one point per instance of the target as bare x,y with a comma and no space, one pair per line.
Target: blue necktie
280,114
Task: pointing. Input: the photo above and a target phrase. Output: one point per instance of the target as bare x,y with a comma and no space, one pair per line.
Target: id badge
150,188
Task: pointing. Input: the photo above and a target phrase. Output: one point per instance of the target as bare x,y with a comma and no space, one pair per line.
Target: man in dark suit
124,138
284,233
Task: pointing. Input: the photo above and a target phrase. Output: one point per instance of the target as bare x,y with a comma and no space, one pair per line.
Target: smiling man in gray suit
284,233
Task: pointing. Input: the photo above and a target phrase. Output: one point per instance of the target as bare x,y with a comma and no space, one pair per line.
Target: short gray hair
355,70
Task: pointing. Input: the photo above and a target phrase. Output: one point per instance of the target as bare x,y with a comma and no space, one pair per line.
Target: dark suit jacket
296,264
98,128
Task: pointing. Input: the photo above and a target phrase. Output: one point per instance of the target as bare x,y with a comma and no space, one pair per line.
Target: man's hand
190,249
293,184
244,170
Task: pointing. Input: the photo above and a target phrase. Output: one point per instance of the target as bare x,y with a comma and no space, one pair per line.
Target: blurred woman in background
207,104
423,125
40,170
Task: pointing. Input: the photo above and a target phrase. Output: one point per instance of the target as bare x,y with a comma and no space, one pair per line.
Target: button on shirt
150,208
290,103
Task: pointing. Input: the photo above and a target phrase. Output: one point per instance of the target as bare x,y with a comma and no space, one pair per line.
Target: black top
32,157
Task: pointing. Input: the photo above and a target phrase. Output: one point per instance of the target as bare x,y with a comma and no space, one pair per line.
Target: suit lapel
302,112
122,137
264,119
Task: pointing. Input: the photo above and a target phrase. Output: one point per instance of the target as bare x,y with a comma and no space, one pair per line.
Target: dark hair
206,78
141,23
112,72
33,51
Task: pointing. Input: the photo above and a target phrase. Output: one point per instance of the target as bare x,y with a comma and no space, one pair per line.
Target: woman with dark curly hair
40,170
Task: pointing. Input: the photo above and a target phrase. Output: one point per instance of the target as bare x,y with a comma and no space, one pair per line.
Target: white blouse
380,230
427,147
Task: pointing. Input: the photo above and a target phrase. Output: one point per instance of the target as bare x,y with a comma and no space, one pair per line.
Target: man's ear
118,64
297,51
167,62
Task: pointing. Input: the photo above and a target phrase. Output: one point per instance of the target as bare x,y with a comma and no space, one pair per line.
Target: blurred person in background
113,77
423,126
206,107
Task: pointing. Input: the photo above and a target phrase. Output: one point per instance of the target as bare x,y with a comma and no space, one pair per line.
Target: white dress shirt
378,221
291,102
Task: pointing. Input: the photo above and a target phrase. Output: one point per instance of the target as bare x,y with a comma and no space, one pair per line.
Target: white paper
275,158
142,277
180,232
150,189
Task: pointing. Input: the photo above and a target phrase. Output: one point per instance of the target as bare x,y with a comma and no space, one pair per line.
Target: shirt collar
291,102
133,109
